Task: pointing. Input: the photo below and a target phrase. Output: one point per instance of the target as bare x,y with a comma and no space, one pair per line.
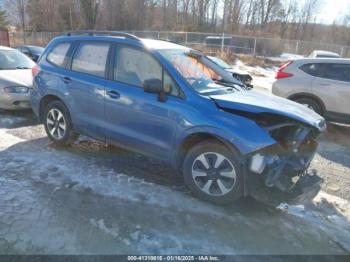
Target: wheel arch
45,101
310,96
194,138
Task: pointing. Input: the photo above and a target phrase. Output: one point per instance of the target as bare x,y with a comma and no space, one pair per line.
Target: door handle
67,80
113,94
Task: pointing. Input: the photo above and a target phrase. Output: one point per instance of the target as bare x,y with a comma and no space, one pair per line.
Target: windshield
199,76
219,62
36,49
13,59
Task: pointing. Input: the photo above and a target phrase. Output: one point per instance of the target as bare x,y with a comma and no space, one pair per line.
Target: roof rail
107,33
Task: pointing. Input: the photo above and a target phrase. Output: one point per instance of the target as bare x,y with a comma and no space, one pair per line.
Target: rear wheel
310,103
212,172
58,124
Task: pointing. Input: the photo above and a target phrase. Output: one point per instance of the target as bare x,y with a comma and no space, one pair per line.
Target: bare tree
18,9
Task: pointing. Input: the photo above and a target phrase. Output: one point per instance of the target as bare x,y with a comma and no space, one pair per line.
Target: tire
197,176
58,124
310,103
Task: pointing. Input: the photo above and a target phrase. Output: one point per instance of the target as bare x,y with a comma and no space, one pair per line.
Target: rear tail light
35,70
281,74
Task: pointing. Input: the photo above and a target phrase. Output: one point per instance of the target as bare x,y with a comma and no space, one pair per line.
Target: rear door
332,85
86,83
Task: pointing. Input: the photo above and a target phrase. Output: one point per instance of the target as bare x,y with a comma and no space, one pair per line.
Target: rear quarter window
312,69
58,54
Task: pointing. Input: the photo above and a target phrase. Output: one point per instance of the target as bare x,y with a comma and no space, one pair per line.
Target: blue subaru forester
155,98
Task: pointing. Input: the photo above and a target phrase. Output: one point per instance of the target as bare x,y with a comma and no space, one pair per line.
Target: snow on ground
93,199
90,199
262,77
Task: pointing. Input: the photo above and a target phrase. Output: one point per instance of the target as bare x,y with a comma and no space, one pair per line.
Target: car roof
323,60
324,52
5,48
148,43
161,44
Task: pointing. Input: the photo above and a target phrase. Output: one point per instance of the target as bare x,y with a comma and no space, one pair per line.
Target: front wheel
212,172
58,124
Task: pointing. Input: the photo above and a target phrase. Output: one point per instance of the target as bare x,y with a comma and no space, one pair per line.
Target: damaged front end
281,171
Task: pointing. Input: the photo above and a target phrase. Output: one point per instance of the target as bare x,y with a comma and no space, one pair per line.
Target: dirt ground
95,199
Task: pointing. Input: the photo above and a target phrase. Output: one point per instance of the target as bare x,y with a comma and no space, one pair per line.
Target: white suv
322,84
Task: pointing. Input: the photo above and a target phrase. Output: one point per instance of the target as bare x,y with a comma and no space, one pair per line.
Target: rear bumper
15,101
35,102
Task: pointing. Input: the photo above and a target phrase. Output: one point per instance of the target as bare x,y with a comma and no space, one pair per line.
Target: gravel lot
95,199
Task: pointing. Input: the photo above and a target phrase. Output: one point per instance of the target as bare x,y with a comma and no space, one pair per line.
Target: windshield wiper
22,67
223,83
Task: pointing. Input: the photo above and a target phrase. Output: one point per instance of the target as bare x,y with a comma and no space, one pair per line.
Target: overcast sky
331,10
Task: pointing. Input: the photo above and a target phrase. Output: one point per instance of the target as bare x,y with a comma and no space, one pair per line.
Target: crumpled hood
19,77
258,102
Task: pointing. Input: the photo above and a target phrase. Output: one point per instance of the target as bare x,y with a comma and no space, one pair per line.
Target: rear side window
58,54
91,58
339,72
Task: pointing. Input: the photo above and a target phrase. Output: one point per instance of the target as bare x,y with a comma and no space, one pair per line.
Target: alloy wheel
214,174
56,124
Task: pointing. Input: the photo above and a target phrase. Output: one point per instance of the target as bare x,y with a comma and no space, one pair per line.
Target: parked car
240,75
15,79
322,84
31,51
323,54
152,97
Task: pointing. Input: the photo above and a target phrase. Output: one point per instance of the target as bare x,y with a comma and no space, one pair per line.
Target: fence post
222,42
254,52
158,34
297,48
186,38
342,51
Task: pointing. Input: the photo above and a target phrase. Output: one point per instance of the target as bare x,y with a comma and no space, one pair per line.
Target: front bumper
283,177
14,101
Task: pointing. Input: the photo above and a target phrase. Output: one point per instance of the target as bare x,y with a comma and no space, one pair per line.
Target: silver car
323,84
323,54
15,79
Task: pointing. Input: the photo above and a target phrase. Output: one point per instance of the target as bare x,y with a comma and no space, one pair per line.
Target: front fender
240,132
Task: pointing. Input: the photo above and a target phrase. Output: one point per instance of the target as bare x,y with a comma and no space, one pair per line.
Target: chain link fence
210,42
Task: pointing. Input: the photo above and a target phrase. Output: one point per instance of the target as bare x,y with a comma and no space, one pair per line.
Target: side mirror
155,86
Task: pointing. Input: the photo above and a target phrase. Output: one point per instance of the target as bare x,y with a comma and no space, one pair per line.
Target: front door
135,119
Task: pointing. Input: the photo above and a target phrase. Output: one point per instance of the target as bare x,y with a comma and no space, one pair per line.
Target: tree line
285,19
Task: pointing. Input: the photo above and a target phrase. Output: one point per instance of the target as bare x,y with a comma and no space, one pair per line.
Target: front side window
58,54
91,58
134,66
